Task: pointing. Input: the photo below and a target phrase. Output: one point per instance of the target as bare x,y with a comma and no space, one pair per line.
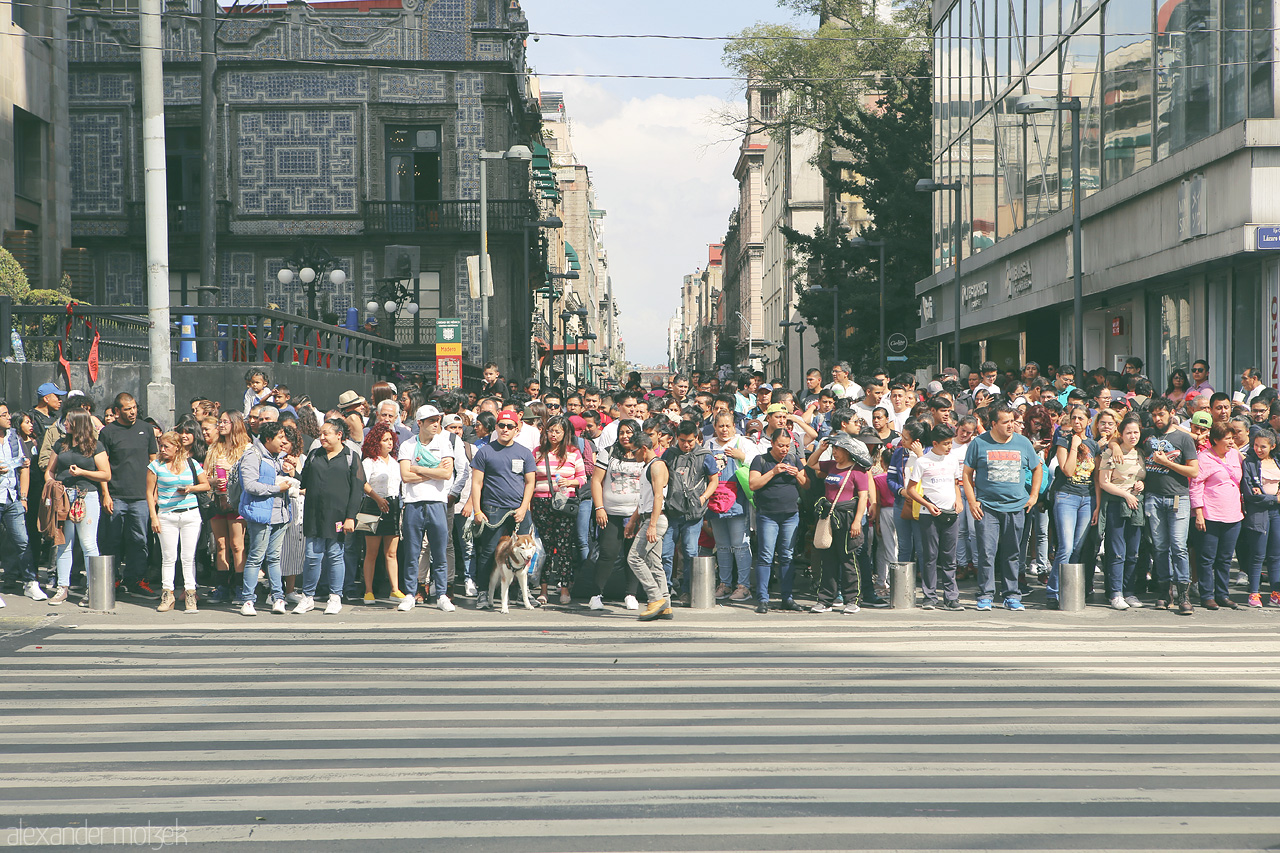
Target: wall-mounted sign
1117,327
897,343
926,309
974,295
1267,237
1017,278
448,354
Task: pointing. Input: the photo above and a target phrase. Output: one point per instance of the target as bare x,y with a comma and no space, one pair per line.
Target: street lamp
1033,105
863,242
928,185
553,277
526,311
799,328
309,264
835,318
750,336
515,152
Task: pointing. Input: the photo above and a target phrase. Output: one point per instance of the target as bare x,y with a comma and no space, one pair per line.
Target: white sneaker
247,609
597,602
32,590
1118,602
293,597
852,608
2,601
334,606
277,606
406,604
445,604
305,604
630,603
471,589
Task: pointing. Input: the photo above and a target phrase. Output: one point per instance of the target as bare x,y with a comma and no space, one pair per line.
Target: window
768,105
29,14
1171,333
182,166
28,155
413,164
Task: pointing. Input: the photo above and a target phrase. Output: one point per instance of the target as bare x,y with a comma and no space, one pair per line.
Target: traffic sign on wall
448,354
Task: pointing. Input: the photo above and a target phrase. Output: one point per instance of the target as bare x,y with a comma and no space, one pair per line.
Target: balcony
184,218
444,217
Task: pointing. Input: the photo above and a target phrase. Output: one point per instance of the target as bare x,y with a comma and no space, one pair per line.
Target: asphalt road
573,731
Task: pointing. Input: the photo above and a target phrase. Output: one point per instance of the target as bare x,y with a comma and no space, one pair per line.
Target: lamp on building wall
1033,105
309,265
515,152
863,242
928,185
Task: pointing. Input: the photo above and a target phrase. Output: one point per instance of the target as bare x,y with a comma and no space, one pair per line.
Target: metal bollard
1071,587
702,584
102,582
902,585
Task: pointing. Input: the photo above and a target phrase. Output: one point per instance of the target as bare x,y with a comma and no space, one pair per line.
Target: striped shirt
167,483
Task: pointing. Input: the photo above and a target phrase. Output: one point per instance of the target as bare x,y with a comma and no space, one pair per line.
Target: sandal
542,599
564,596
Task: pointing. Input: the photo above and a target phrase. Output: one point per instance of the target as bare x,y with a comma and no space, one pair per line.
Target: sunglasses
1199,370
506,425
553,405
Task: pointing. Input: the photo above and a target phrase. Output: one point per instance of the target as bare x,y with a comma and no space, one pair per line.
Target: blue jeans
429,518
1071,517
1219,545
464,549
999,541
1264,547
14,519
321,554
966,540
732,548
586,531
777,533
682,533
1167,519
1034,549
1121,553
85,530
127,530
908,535
262,551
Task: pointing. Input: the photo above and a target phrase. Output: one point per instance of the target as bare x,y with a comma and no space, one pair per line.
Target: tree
13,279
889,149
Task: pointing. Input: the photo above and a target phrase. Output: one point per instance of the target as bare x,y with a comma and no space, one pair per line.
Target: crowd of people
403,498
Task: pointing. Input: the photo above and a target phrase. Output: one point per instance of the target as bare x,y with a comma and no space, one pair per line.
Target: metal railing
253,336
416,217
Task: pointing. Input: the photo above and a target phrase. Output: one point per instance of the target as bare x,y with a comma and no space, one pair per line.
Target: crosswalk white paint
817,735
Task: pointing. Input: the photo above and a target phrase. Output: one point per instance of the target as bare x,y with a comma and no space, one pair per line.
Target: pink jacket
1217,488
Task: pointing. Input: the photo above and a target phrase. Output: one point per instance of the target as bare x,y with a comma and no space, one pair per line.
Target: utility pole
160,395
208,172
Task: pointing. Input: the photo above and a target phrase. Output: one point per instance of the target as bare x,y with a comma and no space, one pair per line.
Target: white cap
428,412
450,420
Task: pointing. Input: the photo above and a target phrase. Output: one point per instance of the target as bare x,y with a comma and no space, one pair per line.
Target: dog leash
469,531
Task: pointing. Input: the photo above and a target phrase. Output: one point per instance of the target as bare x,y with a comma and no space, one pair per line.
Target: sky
660,161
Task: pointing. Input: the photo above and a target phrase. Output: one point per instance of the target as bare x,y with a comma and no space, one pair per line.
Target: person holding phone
777,477
934,484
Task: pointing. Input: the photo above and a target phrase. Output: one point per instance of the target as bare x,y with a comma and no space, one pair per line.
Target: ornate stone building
349,128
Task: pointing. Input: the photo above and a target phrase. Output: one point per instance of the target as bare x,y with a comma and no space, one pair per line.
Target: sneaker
630,603
166,601
482,602
32,590
247,609
1133,601
876,601
928,604
369,598
406,604
740,594
984,603
1013,604
820,608
722,591
852,608
790,604
293,597
278,606
1255,600
220,595
952,604
445,604
2,604
334,607
470,588
142,589
1118,602
397,594
1275,599
305,604
59,596
596,603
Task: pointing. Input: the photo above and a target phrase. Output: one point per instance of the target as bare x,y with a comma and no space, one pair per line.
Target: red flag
66,365
93,351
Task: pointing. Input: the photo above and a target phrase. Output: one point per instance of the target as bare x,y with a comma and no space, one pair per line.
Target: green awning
572,253
541,157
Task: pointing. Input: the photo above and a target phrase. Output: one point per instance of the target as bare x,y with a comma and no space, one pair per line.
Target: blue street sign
896,358
1268,237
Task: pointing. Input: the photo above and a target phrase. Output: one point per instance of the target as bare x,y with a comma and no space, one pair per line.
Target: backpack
686,482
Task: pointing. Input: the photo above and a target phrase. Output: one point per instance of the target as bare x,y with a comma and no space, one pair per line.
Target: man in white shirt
989,373
1250,386
427,467
529,436
901,402
842,384
872,399
626,401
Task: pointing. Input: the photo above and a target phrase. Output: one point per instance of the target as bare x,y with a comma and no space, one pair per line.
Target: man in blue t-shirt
999,501
502,474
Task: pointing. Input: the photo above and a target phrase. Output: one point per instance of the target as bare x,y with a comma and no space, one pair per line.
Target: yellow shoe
397,594
368,598
654,610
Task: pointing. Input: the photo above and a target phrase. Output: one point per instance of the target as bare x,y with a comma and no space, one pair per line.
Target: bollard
102,582
702,584
902,585
1071,587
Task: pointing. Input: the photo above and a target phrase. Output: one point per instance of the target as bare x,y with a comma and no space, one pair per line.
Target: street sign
896,358
1268,237
448,354
897,344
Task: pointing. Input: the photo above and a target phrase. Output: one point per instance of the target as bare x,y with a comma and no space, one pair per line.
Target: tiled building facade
352,126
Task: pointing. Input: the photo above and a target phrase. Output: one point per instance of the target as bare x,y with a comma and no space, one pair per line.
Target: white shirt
1247,397
937,476
853,390
442,448
899,419
382,477
993,390
864,411
529,436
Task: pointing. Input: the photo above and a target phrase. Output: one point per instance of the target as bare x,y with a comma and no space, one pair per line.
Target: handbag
823,537
75,513
724,497
204,500
561,502
368,517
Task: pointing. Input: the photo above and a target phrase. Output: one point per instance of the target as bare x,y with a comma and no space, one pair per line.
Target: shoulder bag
204,500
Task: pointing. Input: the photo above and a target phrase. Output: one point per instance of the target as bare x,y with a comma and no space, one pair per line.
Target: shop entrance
1043,343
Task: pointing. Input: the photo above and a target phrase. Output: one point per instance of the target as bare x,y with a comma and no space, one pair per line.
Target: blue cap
49,388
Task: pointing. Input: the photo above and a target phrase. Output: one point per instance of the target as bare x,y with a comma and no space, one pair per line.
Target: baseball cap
425,412
450,420
509,415
764,387
1202,419
774,407
49,388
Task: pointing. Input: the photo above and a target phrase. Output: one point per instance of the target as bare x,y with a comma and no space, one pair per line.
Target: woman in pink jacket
1215,500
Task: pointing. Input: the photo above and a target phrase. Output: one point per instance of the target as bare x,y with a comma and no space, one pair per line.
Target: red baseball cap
509,415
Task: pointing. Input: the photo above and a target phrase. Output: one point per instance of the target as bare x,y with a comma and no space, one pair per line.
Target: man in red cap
502,475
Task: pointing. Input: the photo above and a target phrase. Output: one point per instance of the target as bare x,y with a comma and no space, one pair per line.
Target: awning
572,254
541,157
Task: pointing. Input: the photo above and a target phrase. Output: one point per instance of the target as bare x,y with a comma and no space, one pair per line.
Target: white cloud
662,167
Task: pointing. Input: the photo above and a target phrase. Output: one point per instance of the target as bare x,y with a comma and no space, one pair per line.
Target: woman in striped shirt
558,462
172,481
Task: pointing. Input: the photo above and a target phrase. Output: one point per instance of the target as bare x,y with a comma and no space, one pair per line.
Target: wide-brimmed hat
348,399
856,449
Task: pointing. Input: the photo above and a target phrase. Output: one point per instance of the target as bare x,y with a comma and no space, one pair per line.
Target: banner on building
448,354
1271,317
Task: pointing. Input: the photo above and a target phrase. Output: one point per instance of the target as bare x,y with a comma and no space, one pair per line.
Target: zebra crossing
813,734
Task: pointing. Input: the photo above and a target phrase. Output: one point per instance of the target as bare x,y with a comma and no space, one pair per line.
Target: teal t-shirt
998,471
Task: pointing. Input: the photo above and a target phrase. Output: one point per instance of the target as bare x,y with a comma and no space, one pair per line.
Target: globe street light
928,185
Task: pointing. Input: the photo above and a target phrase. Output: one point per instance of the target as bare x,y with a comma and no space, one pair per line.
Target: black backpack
686,482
